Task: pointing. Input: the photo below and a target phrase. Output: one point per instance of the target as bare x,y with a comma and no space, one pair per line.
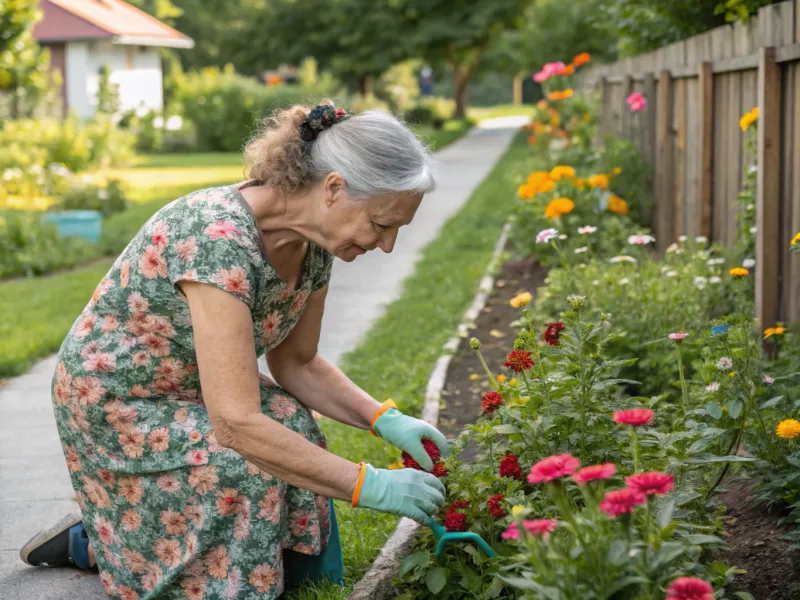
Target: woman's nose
387,240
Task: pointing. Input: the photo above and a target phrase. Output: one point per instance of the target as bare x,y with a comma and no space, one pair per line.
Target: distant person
426,81
197,476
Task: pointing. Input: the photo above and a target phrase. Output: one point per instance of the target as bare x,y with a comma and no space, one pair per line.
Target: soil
755,538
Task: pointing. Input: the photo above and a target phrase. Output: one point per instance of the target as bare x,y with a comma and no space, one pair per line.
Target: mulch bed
755,539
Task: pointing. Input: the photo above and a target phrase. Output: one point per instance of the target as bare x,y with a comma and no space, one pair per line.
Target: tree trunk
365,86
460,82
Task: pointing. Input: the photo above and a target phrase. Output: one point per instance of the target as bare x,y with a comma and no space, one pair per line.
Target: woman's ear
333,188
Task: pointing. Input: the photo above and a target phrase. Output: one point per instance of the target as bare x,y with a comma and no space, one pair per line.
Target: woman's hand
405,492
406,433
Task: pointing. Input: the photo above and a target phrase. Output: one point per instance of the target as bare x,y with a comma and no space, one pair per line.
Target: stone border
376,584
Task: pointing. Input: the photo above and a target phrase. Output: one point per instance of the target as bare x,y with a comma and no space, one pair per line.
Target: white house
84,35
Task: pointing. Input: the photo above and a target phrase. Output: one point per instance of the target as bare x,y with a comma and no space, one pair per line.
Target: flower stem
684,390
495,385
635,449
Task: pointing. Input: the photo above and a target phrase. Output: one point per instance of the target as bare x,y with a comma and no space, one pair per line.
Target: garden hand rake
444,538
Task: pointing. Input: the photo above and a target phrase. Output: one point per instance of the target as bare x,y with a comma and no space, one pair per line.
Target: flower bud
519,344
475,343
576,302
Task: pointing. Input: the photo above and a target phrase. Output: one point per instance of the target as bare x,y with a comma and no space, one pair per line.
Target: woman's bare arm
312,379
223,332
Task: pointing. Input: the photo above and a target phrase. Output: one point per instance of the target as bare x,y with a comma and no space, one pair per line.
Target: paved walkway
34,485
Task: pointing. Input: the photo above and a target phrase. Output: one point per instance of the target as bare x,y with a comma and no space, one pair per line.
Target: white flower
545,236
624,281
174,123
682,238
715,261
596,282
713,387
749,263
102,194
586,229
751,206
700,282
142,111
671,274
623,258
701,239
8,175
754,230
641,240
581,250
158,122
724,364
562,237
674,249
753,168
86,179
714,279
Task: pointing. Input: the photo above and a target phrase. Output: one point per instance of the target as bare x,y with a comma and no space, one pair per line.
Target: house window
129,56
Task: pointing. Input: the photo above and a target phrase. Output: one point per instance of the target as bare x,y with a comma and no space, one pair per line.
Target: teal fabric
328,565
79,545
406,433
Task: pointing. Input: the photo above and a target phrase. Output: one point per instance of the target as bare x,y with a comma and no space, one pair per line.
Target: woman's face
353,226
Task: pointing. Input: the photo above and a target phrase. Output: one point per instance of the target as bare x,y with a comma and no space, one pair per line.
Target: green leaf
735,408
495,589
665,512
617,552
714,409
700,539
506,429
520,583
702,459
621,584
421,559
772,402
745,596
436,580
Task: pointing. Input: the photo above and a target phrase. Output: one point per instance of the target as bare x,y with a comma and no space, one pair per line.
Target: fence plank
787,74
664,168
679,158
793,312
787,22
627,120
705,144
767,205
691,213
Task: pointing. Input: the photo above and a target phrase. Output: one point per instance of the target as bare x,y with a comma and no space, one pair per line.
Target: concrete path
34,485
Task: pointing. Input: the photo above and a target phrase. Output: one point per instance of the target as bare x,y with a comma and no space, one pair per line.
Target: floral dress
171,513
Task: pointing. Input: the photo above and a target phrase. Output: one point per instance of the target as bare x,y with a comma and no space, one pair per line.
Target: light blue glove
405,493
406,433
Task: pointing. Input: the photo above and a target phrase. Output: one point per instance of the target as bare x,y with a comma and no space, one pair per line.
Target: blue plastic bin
81,223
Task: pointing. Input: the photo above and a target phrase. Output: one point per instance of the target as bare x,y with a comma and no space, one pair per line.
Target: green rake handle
444,539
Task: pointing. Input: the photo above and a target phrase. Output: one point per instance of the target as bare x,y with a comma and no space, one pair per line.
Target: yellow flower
396,465
541,104
795,240
748,119
518,510
561,95
732,374
725,407
616,171
618,205
521,300
526,191
746,423
562,171
739,272
501,378
555,119
774,331
538,127
599,181
474,376
512,382
788,429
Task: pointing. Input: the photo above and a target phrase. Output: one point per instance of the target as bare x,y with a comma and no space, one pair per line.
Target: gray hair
376,154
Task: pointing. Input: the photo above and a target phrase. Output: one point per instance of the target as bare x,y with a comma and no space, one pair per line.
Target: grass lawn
396,358
479,113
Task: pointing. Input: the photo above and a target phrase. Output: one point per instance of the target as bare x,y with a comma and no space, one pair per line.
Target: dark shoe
51,547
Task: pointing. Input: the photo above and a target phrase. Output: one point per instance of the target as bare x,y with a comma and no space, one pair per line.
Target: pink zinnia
512,533
636,101
594,472
690,588
540,527
678,337
651,483
553,467
634,416
768,380
622,501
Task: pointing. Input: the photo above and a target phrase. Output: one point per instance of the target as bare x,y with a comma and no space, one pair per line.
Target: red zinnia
495,509
430,448
622,501
439,470
491,402
509,467
634,416
651,483
690,588
519,360
553,467
458,504
551,333
594,472
454,521
542,527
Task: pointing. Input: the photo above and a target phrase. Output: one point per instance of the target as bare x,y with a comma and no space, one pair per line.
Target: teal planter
86,224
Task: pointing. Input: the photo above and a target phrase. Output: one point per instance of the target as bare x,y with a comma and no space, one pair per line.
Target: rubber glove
406,433
404,492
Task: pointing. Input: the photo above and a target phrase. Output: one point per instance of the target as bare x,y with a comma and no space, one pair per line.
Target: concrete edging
376,584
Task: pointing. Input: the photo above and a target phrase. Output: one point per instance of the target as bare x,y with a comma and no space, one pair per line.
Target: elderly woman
197,476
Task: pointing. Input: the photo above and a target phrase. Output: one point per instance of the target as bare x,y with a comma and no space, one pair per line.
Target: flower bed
631,393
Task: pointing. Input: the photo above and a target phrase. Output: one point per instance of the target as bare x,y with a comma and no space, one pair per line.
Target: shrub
108,199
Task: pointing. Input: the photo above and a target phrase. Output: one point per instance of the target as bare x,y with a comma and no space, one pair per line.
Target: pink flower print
138,304
262,578
168,484
195,512
190,553
124,274
171,369
218,562
160,235
105,362
203,479
107,579
110,323
152,577
162,326
131,520
104,529
233,280
125,592
187,249
78,421
140,358
127,341
197,457
174,522
63,385
73,460
636,102
152,264
241,525
114,559
221,230
91,348
134,561
270,506
156,345
299,524
159,439
234,584
132,442
282,407
85,326
285,295
190,275
299,302
168,552
95,492
139,391
270,327
181,415
87,390
102,288
303,548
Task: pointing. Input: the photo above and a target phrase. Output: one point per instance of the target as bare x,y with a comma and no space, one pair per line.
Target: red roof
66,20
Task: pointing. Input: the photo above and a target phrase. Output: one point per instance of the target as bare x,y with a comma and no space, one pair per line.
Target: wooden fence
689,132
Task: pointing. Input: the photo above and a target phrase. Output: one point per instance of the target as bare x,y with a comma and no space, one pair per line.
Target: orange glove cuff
359,484
384,407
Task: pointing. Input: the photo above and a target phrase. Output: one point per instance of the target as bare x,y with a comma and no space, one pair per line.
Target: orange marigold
559,206
562,171
567,70
561,95
739,272
618,205
582,59
526,191
599,181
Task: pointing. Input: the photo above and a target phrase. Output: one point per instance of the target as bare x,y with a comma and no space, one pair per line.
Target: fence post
705,145
604,103
768,199
664,197
626,126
